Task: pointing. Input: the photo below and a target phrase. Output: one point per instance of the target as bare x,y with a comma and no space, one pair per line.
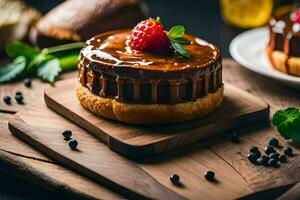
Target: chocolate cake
283,48
146,88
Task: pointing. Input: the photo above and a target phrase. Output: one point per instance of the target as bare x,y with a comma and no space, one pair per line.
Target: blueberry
272,162
288,151
209,175
19,98
27,82
263,160
7,99
252,157
282,158
73,144
253,149
18,93
269,150
273,142
175,179
274,155
67,134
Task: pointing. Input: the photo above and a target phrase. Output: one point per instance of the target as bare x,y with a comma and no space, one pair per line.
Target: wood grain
29,94
34,167
238,109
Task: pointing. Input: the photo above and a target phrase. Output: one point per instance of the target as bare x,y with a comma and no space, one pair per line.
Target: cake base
288,65
149,113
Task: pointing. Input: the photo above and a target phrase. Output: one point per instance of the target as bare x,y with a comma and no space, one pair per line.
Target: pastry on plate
283,48
150,76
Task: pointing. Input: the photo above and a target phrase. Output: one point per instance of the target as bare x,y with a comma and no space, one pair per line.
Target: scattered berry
282,158
73,144
150,36
252,157
67,134
295,16
288,151
19,98
272,162
253,149
273,142
7,99
209,175
263,160
27,82
175,179
269,150
18,93
274,155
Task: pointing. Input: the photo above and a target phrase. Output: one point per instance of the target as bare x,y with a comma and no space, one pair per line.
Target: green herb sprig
287,122
177,40
46,63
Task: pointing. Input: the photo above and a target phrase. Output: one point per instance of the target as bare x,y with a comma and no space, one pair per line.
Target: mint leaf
176,31
16,49
49,70
180,49
12,70
181,40
287,122
68,60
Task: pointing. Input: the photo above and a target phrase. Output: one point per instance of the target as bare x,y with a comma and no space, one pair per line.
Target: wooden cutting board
239,109
41,128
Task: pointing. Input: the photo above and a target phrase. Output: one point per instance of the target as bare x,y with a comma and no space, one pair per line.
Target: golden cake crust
288,65
149,113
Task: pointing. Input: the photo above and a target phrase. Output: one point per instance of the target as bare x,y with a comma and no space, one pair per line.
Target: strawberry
295,16
149,36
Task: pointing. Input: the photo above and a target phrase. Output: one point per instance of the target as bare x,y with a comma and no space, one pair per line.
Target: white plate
248,49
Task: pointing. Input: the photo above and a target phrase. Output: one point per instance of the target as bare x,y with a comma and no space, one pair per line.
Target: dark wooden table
202,19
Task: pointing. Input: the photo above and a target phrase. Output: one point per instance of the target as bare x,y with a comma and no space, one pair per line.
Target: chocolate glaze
108,68
284,36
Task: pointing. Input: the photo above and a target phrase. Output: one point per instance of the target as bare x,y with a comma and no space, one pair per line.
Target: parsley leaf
180,49
287,122
176,31
16,49
13,70
49,70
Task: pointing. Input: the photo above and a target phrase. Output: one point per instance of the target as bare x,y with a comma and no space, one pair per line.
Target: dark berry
269,150
7,99
175,179
253,149
252,157
73,144
67,134
209,175
274,155
234,138
272,162
19,98
263,160
27,82
273,142
282,158
288,151
18,93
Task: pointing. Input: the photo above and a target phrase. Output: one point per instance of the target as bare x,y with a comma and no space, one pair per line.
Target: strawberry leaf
176,31
181,40
180,49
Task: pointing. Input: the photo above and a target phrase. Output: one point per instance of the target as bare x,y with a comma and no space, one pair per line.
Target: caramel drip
154,84
174,87
189,88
